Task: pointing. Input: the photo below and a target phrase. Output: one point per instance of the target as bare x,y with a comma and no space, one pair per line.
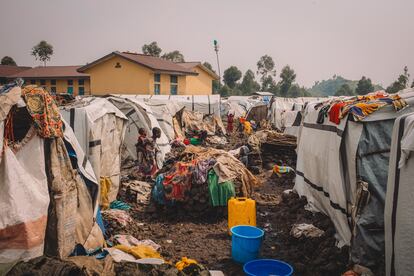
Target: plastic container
195,141
245,243
266,267
241,211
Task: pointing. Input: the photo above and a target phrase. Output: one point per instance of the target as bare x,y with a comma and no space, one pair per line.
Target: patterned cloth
177,182
44,111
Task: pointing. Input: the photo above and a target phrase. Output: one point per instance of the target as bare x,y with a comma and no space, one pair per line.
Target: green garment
220,193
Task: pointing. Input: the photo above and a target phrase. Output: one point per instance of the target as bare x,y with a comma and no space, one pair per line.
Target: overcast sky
317,38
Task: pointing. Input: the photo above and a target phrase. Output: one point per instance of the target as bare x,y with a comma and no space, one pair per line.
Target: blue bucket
267,267
245,242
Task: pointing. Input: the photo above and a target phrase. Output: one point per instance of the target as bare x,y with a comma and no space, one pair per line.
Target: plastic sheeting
399,205
206,104
100,128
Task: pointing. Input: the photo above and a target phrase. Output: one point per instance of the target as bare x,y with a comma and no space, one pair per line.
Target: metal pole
216,48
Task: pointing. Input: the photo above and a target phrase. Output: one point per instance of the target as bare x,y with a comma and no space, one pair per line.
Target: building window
70,90
81,82
70,82
118,65
81,90
174,85
157,88
53,89
157,84
174,89
42,82
52,82
32,81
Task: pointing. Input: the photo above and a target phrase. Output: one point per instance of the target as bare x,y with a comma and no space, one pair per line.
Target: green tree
269,85
6,60
174,56
364,86
296,91
266,69
152,49
401,83
344,90
231,76
225,91
288,77
249,84
42,51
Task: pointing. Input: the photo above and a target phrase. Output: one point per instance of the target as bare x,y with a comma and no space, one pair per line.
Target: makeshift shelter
240,105
162,111
285,113
399,204
342,169
206,104
48,189
139,116
100,128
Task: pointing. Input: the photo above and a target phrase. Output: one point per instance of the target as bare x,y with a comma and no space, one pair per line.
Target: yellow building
131,73
57,79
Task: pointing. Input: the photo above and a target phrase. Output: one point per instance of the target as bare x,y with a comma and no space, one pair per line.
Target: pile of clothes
204,175
358,107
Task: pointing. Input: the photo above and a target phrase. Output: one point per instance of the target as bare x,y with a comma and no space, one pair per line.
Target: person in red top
230,120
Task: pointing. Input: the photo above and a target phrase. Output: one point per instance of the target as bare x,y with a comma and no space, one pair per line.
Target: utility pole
216,48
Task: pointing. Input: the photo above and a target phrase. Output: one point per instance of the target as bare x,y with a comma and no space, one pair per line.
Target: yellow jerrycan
241,211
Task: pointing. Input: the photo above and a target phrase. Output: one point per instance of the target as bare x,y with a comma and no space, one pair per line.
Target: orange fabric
335,112
24,235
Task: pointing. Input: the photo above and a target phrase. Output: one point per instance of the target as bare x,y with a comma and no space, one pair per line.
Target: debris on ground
306,230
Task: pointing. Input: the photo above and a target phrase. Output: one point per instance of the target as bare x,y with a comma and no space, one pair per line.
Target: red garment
334,113
230,119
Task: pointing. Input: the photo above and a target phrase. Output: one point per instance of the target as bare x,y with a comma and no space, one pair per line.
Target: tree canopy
152,49
401,83
364,86
287,77
6,60
231,76
174,56
266,70
344,90
42,51
249,84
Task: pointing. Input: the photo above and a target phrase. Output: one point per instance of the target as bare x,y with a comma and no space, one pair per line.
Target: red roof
154,63
7,70
51,72
190,65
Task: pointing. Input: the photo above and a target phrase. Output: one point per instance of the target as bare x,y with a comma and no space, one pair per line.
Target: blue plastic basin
245,243
267,267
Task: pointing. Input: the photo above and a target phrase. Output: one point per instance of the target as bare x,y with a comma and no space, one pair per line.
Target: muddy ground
204,236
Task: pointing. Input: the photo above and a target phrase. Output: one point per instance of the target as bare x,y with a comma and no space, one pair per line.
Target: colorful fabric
335,113
158,190
177,182
201,170
184,263
279,170
117,204
220,193
247,128
44,111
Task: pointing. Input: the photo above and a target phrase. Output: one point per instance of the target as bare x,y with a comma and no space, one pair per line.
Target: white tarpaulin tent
206,104
399,204
285,113
338,164
100,128
240,105
139,116
162,111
